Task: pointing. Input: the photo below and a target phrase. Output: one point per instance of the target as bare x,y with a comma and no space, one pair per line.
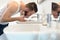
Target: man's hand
21,19
22,12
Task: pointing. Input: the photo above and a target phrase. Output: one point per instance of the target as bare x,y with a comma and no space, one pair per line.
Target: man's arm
12,8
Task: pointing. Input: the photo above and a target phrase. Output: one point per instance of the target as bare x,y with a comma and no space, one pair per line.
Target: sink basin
22,27
22,36
30,31
22,31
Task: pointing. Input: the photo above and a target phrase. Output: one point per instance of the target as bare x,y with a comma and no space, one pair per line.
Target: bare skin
12,8
55,14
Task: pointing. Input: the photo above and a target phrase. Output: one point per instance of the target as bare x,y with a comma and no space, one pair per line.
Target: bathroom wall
47,9
3,2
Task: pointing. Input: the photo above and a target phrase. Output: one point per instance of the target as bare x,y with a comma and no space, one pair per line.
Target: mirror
40,1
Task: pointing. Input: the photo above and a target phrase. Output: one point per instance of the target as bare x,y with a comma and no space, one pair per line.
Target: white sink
22,31
31,31
22,27
22,36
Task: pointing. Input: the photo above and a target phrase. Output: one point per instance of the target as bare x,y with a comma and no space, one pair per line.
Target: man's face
27,11
55,14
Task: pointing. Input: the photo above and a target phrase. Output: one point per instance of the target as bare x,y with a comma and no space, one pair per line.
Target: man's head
55,6
55,9
59,10
30,8
59,5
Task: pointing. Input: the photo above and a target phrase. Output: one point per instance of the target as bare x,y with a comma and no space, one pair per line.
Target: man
55,10
13,8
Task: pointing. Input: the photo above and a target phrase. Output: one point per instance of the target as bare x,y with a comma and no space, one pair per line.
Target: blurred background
31,30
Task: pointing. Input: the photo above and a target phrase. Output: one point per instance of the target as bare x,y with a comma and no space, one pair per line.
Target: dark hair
58,13
32,6
54,6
